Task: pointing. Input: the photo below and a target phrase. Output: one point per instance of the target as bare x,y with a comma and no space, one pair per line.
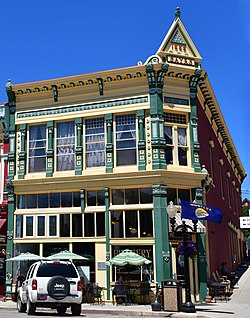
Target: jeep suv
52,284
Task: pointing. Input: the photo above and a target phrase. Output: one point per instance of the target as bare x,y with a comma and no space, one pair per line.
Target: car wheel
21,307
76,309
58,287
31,308
61,310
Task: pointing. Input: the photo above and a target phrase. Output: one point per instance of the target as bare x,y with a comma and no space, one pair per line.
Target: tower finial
177,13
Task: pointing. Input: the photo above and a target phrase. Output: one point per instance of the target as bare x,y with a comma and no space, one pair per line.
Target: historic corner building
95,159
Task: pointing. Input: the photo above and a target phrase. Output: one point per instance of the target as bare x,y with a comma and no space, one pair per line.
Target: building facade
95,159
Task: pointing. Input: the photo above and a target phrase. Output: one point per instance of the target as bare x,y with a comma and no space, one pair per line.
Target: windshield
50,269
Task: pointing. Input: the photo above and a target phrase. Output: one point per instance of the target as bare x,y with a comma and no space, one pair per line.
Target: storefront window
89,225
52,225
29,226
100,224
64,225
117,224
41,225
77,225
131,224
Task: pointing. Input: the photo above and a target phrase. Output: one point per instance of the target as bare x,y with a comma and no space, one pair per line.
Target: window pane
19,226
29,225
184,194
54,200
169,155
95,142
100,224
31,201
117,224
89,229
100,197
146,195
182,155
64,225
41,225
21,201
43,200
126,140
91,198
65,146
131,224
76,198
171,195
66,199
52,225
118,197
146,223
131,196
77,225
37,148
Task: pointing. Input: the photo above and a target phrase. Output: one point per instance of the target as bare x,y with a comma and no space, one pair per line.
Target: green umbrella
127,257
26,257
66,255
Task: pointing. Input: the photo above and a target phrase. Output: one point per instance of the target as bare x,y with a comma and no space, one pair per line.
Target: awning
200,226
2,222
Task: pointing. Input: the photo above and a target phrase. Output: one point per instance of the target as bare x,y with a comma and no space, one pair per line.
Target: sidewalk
238,306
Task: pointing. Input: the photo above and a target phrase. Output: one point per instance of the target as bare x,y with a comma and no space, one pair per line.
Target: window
54,200
89,225
19,226
132,196
29,226
43,200
52,225
64,225
65,146
100,224
21,201
77,225
66,199
95,142
126,140
41,225
175,132
37,148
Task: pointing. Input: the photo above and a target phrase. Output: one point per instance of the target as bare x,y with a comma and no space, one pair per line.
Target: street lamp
188,306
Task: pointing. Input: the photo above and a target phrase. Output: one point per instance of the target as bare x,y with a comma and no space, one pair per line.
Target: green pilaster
202,261
50,150
79,153
195,146
109,144
107,204
22,153
9,187
82,198
155,82
162,268
141,141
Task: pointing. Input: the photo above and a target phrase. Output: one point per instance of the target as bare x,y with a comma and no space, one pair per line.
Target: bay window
37,148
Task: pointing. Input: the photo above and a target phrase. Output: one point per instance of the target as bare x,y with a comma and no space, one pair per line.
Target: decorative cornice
63,110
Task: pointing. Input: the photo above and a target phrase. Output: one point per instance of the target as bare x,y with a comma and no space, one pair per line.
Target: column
22,153
162,268
79,149
155,82
202,260
141,140
9,187
107,204
50,150
109,144
195,146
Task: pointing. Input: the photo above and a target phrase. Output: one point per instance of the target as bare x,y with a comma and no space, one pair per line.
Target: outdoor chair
95,295
121,294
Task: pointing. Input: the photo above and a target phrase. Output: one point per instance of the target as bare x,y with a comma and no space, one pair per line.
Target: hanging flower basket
191,250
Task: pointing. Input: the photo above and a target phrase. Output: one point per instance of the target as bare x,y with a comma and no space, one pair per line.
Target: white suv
52,284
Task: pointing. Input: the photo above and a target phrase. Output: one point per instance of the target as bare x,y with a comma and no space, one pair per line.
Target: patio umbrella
26,257
127,257
66,255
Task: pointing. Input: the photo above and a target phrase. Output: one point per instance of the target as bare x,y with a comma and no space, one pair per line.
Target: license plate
42,297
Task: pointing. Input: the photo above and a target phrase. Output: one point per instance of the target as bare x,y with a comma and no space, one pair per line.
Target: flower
190,251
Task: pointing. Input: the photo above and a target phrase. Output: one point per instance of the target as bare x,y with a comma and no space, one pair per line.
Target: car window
32,270
55,269
28,274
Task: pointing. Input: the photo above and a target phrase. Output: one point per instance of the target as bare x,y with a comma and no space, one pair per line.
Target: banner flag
195,211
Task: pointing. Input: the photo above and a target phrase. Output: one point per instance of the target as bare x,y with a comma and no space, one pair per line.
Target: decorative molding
63,110
172,100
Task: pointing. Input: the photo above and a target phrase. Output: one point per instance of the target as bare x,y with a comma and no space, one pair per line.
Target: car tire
58,287
61,310
31,307
21,307
76,309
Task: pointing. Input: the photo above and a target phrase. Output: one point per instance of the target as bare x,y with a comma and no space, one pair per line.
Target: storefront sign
180,60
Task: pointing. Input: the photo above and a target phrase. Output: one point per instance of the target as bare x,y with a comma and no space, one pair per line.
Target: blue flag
195,211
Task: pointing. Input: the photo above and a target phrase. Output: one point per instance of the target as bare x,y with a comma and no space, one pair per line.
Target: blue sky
46,39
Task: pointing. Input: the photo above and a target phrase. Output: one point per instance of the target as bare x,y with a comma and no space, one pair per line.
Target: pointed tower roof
177,46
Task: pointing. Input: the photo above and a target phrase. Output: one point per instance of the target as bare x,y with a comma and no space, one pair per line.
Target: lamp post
188,306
